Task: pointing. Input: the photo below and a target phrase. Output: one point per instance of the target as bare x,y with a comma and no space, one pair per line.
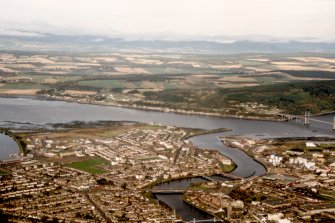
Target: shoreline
199,208
158,109
263,162
155,109
20,143
204,133
260,161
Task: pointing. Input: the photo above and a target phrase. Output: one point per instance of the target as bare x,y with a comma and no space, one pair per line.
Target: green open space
3,172
90,165
21,86
228,168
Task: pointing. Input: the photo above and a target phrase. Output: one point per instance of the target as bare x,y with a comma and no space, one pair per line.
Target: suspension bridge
306,119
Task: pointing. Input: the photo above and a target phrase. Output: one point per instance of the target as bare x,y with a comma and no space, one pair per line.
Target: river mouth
21,112
9,149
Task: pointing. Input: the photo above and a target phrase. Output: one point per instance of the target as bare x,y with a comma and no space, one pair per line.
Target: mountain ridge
51,42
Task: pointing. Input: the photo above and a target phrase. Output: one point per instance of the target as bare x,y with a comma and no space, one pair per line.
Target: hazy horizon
221,20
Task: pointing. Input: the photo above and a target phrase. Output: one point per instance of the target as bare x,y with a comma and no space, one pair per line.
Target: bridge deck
168,191
307,119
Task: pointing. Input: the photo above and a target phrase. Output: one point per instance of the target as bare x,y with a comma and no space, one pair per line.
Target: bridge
307,119
168,191
205,220
230,176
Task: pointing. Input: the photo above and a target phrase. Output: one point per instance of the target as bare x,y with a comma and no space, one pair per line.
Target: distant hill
47,42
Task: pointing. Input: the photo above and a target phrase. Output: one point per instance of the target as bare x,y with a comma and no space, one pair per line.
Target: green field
220,84
3,172
20,86
90,165
102,83
228,168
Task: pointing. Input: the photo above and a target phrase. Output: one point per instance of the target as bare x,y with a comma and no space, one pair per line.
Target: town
299,185
167,111
105,173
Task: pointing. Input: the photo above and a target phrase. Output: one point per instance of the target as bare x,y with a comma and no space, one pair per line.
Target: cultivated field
177,81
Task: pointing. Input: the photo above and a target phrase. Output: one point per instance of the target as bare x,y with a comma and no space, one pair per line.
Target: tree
124,185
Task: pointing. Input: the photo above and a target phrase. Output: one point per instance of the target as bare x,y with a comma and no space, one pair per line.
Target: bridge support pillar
307,117
334,124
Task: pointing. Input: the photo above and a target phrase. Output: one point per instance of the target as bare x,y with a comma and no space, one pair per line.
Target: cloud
20,33
284,18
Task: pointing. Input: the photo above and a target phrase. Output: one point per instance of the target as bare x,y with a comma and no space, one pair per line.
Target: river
21,112
8,146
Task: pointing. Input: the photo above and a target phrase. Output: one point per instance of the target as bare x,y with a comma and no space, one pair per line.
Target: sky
287,19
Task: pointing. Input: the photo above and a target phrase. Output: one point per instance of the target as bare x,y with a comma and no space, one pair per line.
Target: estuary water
22,112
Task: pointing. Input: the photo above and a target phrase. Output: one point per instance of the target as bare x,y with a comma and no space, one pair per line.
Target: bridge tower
307,117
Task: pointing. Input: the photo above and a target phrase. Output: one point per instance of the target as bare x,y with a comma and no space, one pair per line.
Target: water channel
8,147
27,112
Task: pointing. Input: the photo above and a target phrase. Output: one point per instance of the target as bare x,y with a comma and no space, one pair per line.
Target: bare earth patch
194,64
286,63
144,61
237,79
142,90
257,69
6,69
52,72
21,66
61,67
233,66
50,81
249,85
314,59
8,58
105,59
130,70
17,79
21,92
35,59
152,85
205,75
80,92
297,67
260,60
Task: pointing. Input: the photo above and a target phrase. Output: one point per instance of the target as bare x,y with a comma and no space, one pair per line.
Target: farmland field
207,83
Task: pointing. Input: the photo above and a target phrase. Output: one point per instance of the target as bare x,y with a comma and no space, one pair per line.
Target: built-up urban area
299,185
106,173
101,174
